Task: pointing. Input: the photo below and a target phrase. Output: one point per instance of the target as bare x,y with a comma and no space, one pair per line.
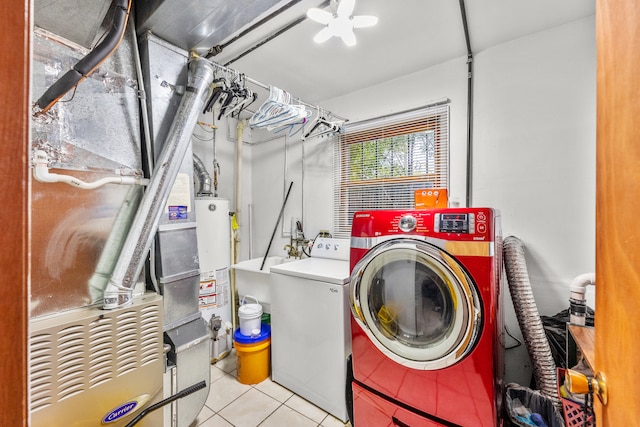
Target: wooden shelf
585,341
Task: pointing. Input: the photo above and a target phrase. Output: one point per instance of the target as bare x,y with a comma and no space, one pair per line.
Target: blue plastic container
252,355
265,332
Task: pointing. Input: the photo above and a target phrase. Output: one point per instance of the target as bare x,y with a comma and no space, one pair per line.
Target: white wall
225,155
534,154
533,157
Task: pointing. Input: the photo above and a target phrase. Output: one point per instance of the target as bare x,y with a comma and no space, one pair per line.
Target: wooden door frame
617,330
15,39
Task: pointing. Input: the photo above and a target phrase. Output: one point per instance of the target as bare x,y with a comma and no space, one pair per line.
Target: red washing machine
427,321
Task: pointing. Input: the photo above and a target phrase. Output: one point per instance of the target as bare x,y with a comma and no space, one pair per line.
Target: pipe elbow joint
41,167
580,283
578,300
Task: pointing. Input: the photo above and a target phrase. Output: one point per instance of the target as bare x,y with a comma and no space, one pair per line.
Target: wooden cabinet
580,343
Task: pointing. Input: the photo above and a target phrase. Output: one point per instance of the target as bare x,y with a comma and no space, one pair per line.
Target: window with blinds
381,162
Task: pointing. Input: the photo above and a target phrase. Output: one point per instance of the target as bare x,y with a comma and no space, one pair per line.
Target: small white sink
251,280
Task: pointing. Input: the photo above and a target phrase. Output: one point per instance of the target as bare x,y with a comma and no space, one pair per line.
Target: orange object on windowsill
428,198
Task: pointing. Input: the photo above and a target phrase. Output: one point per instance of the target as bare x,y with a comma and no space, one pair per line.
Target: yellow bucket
252,356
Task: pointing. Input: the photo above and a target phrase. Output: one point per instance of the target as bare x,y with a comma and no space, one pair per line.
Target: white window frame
380,163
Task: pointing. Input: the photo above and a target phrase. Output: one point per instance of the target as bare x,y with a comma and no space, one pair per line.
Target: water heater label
180,192
178,212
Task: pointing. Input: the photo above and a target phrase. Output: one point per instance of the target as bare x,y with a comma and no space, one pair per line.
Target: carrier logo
125,409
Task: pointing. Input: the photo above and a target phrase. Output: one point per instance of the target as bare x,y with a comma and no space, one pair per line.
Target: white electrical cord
42,174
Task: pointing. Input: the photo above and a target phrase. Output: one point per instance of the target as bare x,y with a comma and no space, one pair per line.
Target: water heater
214,252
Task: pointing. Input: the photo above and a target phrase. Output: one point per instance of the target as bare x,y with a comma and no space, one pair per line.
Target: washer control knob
407,223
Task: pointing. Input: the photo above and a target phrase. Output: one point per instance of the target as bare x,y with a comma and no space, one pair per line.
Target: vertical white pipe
578,298
235,241
238,189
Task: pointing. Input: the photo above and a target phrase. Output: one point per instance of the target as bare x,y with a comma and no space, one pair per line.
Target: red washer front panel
469,392
370,410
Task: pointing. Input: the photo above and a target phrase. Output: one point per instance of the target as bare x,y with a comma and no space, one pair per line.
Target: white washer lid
320,269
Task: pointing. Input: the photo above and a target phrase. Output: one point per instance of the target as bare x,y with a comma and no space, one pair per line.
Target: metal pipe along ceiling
273,35
119,291
219,48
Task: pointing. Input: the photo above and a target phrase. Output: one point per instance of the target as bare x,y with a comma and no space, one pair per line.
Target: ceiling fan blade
345,7
348,38
319,15
323,35
364,21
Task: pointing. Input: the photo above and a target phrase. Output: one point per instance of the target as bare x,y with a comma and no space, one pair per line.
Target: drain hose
544,367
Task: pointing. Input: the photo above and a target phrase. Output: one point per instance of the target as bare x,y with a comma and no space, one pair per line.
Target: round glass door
416,304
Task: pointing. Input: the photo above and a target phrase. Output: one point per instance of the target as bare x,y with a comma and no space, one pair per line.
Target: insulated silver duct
145,224
100,278
204,179
544,367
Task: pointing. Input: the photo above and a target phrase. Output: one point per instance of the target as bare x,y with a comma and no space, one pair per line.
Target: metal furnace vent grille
73,353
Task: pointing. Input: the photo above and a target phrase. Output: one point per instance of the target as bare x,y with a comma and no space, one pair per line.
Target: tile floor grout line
267,417
233,376
280,405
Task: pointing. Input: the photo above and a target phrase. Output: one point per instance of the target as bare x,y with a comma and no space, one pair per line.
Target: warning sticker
214,288
178,212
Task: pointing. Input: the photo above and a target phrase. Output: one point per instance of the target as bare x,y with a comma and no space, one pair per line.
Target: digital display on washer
454,223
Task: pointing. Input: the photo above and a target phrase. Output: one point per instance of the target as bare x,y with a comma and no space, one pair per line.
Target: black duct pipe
463,14
267,39
89,63
218,48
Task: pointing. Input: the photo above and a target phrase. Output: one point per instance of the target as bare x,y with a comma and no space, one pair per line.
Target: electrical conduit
146,128
465,26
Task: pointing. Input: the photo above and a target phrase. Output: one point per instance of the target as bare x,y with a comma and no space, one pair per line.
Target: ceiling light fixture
341,23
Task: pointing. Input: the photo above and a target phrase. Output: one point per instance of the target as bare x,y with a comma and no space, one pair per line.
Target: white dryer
310,325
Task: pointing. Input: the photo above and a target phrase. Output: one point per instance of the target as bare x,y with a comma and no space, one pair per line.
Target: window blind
379,163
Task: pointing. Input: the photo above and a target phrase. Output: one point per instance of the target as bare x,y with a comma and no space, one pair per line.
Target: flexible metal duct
145,224
204,179
544,367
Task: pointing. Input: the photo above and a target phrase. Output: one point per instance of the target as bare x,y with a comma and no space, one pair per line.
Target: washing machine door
416,304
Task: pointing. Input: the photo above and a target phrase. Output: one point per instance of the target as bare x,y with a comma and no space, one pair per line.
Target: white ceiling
411,35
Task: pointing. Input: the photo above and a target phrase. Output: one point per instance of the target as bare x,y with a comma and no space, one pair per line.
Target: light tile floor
268,404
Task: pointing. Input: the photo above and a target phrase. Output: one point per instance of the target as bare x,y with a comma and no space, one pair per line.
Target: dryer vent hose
544,367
